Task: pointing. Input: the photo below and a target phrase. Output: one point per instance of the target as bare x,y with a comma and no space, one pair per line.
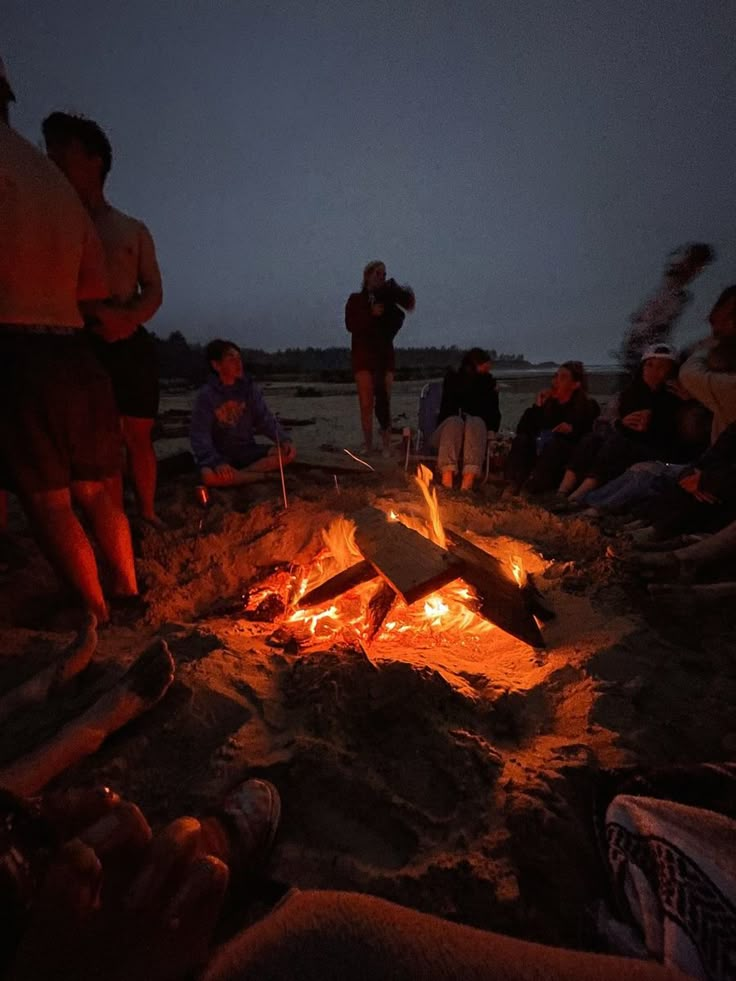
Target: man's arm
715,389
92,282
150,294
121,320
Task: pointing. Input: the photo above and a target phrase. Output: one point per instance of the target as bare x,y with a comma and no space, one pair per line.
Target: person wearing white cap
654,322
646,429
59,428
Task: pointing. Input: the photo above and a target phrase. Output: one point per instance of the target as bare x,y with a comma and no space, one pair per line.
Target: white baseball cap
660,351
4,78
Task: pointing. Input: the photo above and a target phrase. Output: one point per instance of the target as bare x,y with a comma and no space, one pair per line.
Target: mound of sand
451,774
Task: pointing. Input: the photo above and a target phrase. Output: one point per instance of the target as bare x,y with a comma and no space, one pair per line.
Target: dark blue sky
525,166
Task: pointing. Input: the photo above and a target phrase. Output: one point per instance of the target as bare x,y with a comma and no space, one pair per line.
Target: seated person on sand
643,486
696,498
468,412
549,431
708,374
646,429
228,414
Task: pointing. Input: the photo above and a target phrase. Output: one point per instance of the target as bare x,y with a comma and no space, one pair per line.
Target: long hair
577,370
474,358
373,264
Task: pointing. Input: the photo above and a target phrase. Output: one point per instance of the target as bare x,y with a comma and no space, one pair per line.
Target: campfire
391,576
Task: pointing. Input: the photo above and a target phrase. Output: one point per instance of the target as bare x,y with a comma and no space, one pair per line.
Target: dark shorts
249,454
58,420
133,368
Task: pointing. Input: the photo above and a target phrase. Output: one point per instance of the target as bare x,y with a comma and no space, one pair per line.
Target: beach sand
448,771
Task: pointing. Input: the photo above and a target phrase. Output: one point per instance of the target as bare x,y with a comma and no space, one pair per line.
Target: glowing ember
347,617
312,619
518,571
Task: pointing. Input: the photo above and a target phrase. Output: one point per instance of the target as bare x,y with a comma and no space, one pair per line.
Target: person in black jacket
646,429
549,431
468,412
374,317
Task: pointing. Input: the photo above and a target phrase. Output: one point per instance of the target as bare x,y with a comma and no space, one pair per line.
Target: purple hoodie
226,420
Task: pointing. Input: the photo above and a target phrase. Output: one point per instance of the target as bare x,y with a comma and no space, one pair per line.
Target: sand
449,772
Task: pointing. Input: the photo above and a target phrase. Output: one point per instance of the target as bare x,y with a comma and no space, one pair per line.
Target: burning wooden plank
411,564
379,607
501,600
349,578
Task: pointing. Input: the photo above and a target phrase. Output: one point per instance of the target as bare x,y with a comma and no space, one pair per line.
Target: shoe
252,812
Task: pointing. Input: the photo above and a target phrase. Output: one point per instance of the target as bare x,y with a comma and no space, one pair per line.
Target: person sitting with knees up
228,414
549,431
646,429
468,412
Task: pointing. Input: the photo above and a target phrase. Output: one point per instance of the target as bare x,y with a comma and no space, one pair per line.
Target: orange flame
436,531
517,570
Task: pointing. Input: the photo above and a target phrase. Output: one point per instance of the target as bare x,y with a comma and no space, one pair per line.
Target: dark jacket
373,337
472,394
662,433
580,412
718,466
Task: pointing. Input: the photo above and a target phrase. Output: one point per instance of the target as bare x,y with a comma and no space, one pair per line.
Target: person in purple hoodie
228,414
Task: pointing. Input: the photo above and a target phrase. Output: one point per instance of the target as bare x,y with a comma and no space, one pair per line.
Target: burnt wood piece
379,607
349,578
535,601
408,561
501,600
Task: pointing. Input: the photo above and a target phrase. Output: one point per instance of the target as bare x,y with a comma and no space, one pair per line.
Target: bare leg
142,463
383,385
112,532
324,931
569,483
114,489
64,542
589,484
364,381
245,475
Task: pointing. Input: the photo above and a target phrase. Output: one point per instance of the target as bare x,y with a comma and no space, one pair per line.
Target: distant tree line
184,360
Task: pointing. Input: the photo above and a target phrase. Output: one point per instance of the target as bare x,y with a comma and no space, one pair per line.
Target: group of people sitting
663,449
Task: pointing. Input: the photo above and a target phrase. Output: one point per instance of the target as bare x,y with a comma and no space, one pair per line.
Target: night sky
525,166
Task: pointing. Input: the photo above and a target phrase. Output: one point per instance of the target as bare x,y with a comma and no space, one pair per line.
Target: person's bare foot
468,482
144,684
447,478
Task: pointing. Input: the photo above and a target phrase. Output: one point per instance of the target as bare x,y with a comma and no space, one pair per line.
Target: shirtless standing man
83,152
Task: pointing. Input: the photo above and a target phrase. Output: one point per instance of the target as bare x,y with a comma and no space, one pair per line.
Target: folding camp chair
419,444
